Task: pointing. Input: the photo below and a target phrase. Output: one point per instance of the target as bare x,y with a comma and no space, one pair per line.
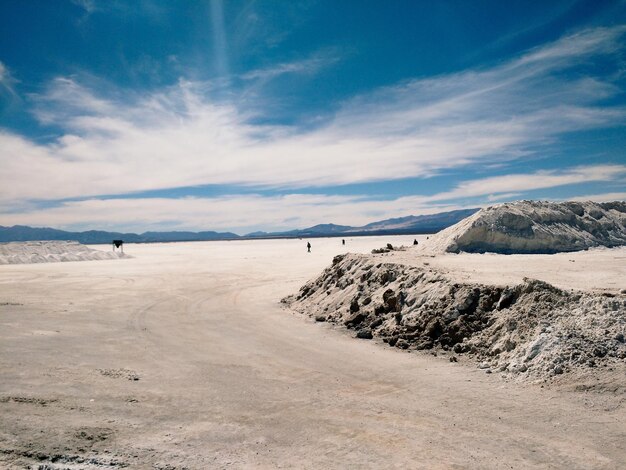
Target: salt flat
182,357
595,270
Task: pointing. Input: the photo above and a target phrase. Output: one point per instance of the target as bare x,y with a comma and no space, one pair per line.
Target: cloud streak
524,182
6,81
307,66
239,213
245,213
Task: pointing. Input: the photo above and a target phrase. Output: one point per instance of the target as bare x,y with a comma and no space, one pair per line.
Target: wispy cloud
6,80
306,66
524,182
239,213
244,213
124,142
603,197
220,46
502,197
88,5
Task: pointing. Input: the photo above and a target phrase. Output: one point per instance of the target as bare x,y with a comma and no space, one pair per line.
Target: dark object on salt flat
118,244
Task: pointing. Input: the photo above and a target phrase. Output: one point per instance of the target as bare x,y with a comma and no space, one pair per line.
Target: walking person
308,247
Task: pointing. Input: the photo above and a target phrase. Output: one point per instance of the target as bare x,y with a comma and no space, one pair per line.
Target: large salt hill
535,227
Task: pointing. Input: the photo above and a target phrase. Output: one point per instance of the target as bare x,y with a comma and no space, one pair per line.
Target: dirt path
182,358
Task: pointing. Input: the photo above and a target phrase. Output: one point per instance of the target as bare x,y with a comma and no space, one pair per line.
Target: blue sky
248,115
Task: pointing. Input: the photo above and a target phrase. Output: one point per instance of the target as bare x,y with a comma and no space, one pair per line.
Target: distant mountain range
21,233
404,225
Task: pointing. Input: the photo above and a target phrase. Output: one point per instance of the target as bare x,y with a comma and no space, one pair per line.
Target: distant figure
427,238
343,242
118,244
415,242
308,247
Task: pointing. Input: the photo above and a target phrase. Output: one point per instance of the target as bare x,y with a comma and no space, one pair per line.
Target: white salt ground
183,357
597,269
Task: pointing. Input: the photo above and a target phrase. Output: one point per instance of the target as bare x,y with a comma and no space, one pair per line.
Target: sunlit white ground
226,377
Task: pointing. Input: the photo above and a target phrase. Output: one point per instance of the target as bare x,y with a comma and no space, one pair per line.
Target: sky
245,115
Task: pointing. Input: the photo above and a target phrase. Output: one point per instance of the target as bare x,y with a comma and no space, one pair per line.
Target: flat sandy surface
598,269
229,379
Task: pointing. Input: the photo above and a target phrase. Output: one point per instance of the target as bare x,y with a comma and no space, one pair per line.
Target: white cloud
605,197
245,213
502,197
583,42
306,66
523,182
88,5
241,213
122,142
6,81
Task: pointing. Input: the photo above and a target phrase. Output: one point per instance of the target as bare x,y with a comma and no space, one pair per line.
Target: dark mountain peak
327,228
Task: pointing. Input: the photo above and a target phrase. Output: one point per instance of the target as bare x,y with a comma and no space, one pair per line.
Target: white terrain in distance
52,252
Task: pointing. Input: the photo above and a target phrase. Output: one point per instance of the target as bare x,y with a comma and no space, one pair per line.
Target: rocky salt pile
535,227
532,330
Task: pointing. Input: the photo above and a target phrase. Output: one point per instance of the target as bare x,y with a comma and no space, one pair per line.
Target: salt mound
531,331
51,252
535,227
